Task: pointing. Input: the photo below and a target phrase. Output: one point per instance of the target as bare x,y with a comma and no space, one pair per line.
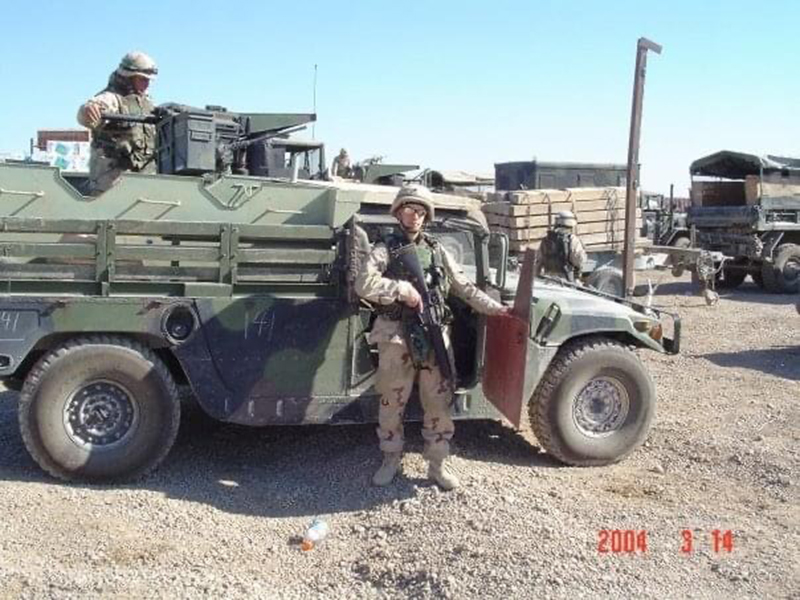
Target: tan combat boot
388,469
444,479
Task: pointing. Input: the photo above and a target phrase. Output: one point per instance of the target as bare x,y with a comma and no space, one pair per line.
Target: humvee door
505,383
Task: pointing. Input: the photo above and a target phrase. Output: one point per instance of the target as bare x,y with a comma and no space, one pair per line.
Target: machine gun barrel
120,118
244,142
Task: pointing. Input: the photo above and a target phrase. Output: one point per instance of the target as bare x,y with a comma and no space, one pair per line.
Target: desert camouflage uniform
396,371
116,149
561,254
341,166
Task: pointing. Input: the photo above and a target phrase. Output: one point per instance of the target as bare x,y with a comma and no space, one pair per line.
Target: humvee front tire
99,408
594,404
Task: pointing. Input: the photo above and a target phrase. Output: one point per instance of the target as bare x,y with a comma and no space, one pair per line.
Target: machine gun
194,141
428,320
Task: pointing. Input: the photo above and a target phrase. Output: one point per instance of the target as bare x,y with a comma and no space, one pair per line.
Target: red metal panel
507,348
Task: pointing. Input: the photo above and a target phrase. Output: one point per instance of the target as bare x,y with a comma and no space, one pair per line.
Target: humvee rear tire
595,403
99,408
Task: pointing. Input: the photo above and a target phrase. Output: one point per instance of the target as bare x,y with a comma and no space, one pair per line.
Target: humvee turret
239,288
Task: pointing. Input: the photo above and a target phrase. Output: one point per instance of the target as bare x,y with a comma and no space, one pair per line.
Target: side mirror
498,257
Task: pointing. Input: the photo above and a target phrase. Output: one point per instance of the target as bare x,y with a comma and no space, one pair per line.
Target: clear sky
447,85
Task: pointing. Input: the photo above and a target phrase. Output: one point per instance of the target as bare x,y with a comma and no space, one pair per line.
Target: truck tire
769,278
607,280
595,403
787,269
99,408
729,279
681,242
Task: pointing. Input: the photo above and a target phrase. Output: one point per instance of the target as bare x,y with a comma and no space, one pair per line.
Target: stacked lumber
525,216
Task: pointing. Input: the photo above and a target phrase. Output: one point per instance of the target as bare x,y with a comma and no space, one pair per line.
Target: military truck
747,208
239,288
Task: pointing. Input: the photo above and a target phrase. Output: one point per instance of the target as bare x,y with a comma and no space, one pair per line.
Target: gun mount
195,141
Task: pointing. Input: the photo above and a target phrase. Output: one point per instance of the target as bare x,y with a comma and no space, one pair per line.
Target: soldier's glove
92,114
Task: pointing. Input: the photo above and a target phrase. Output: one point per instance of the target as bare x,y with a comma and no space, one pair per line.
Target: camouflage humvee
239,288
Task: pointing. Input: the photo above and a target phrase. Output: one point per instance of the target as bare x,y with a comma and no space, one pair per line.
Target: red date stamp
635,541
621,540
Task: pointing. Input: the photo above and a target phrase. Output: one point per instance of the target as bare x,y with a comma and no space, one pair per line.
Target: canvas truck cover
738,165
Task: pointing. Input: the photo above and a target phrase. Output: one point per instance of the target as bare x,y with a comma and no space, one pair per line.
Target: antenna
314,122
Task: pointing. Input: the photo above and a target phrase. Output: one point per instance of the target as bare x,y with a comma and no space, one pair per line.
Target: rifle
429,319
569,270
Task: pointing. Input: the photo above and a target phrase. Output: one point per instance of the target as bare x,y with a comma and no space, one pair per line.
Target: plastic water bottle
316,532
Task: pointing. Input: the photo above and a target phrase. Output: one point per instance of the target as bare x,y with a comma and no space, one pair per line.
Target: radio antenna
314,122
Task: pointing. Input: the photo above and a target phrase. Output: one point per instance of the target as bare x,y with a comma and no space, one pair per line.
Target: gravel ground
223,515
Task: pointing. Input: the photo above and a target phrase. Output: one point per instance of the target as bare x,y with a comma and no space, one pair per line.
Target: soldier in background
341,165
561,253
119,147
385,282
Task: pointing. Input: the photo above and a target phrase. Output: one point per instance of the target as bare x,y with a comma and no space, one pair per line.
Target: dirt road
223,514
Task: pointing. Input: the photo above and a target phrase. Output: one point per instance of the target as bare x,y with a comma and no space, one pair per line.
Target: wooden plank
62,250
168,253
572,195
596,239
583,229
519,210
273,256
592,216
25,225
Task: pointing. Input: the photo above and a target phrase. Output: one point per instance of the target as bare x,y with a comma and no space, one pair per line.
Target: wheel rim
100,415
601,407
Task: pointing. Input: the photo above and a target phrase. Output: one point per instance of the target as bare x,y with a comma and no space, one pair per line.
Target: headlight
652,328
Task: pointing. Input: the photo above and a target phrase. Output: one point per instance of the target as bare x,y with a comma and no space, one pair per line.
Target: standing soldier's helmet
565,218
137,63
414,194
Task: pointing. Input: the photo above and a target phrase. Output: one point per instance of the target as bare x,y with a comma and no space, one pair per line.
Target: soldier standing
341,164
561,253
385,282
119,147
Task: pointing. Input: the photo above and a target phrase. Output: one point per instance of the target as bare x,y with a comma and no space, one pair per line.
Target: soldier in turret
341,165
385,282
119,147
561,253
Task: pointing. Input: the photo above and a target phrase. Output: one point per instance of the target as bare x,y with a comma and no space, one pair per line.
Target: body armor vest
555,251
131,145
431,260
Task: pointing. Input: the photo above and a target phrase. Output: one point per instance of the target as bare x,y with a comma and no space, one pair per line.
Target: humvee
239,289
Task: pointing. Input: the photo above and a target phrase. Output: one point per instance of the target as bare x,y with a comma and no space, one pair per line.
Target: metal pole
642,46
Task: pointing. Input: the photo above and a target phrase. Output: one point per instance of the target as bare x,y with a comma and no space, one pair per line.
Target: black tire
99,408
555,407
769,278
729,279
607,280
758,278
787,269
681,242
